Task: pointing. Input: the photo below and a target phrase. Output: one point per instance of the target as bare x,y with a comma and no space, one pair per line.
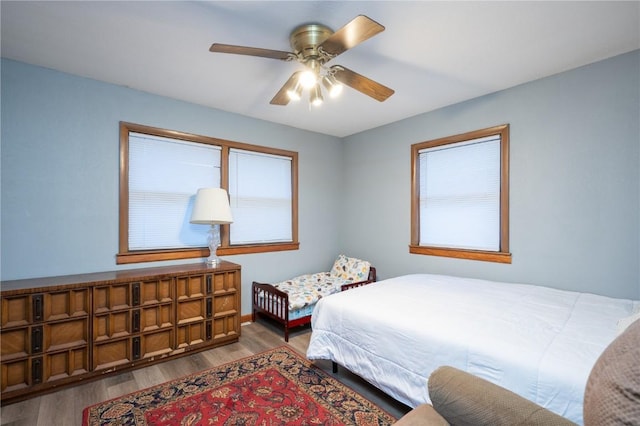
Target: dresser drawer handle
136,294
208,330
136,348
36,340
36,371
135,327
38,302
209,286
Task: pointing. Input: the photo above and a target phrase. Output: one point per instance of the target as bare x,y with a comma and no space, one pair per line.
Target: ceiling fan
313,46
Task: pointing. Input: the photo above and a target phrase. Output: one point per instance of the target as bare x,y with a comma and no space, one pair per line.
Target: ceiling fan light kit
309,77
315,96
313,46
332,85
295,93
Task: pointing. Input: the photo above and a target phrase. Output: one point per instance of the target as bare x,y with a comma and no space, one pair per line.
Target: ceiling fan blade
361,83
360,28
282,98
250,51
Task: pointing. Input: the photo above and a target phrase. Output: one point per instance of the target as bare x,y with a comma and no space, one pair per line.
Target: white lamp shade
211,207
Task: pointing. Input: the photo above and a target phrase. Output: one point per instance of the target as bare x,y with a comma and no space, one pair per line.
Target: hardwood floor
64,407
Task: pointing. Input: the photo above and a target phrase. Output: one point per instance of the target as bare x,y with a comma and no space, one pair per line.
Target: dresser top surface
110,277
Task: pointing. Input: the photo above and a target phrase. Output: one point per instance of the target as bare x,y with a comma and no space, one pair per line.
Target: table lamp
212,208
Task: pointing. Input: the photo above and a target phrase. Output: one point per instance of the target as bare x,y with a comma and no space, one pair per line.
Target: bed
291,302
536,341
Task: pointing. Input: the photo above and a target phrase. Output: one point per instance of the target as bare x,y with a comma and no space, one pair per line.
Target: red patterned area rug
271,388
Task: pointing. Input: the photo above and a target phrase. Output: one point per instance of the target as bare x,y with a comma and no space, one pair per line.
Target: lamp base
213,262
214,243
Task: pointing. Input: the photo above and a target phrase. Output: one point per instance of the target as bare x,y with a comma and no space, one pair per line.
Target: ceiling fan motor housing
305,40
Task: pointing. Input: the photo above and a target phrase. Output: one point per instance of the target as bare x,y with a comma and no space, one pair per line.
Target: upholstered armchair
612,395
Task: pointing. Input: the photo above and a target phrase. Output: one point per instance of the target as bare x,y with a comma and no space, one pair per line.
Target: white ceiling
432,54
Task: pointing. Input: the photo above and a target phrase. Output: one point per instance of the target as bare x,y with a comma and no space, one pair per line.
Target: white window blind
460,195
164,176
260,191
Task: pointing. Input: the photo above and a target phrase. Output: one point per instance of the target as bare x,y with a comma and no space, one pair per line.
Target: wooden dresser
60,330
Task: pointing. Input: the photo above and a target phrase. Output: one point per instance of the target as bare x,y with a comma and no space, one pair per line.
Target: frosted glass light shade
315,97
295,93
307,79
211,207
332,85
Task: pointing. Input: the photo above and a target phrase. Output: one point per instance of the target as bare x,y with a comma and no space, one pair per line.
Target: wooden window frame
502,255
126,256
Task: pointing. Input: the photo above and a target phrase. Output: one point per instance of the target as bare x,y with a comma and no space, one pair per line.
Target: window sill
486,256
160,255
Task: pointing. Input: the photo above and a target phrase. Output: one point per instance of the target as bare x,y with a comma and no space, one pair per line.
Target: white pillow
625,322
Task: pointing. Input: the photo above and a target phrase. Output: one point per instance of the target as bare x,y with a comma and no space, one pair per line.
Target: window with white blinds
164,175
460,196
260,193
162,170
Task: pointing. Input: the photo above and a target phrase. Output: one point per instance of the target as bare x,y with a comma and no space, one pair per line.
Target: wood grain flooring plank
150,376
86,395
50,413
24,413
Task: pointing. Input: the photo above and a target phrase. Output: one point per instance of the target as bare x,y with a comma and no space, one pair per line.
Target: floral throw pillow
350,268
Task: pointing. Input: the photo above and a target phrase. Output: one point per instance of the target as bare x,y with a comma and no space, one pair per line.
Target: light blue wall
575,182
575,179
60,175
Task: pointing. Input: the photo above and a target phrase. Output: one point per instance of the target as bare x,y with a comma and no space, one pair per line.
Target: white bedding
539,342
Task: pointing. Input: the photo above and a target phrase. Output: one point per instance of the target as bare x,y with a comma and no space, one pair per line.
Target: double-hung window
460,196
164,174
160,173
262,208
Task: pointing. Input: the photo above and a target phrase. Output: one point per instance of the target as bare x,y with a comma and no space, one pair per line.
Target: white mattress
540,343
